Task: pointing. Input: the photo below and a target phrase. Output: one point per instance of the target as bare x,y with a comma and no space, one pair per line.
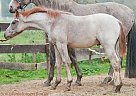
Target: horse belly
82,43
82,37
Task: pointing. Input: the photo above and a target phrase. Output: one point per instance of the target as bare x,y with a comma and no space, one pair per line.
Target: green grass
22,57
12,76
26,37
88,68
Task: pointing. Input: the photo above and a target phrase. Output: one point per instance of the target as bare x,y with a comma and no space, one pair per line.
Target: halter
24,6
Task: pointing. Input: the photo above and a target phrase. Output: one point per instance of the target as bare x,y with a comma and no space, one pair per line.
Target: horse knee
67,61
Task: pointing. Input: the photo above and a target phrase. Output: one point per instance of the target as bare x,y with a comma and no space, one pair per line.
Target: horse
67,30
117,10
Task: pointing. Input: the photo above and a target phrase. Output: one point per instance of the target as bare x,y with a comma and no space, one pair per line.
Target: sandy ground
91,87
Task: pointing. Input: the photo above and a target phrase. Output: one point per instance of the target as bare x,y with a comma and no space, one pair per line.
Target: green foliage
87,68
95,67
40,57
11,76
26,37
26,58
11,58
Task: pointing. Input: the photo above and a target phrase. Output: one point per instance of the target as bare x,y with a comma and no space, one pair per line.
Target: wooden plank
22,66
23,48
18,66
41,65
4,26
82,54
85,54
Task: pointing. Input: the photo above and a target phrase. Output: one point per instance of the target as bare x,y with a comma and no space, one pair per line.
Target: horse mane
50,12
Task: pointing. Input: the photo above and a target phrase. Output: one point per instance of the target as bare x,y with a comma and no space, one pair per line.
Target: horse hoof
102,84
53,87
116,89
111,82
106,80
78,83
47,84
67,88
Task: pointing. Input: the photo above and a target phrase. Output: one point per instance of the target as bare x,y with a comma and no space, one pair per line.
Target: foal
66,30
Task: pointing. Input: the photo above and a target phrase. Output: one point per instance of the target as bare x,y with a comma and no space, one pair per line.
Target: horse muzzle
11,10
7,37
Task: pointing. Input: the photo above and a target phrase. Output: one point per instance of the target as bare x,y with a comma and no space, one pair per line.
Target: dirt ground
91,87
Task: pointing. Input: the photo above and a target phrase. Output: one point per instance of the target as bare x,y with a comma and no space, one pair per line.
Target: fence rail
23,48
4,26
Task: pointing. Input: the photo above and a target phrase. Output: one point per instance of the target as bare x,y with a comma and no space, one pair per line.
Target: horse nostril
11,9
5,36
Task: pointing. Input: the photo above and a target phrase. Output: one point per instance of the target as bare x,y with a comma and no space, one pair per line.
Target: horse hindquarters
121,43
115,52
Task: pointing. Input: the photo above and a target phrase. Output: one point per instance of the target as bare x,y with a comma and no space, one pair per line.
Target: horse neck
40,21
55,4
40,2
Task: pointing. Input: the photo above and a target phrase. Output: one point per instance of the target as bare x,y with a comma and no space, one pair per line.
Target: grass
12,76
87,68
27,37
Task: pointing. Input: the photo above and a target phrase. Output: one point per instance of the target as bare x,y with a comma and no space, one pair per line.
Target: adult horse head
18,4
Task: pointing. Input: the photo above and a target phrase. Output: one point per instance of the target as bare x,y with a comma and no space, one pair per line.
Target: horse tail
130,71
122,41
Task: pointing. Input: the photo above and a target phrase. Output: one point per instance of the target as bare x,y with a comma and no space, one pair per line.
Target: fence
7,48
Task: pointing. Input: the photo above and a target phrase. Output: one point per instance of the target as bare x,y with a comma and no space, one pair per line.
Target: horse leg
115,61
52,64
47,55
58,69
62,48
72,55
109,78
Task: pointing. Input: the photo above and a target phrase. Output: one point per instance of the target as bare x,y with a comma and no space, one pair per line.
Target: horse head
15,27
18,4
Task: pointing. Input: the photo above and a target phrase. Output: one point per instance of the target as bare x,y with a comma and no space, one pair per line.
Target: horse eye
14,22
